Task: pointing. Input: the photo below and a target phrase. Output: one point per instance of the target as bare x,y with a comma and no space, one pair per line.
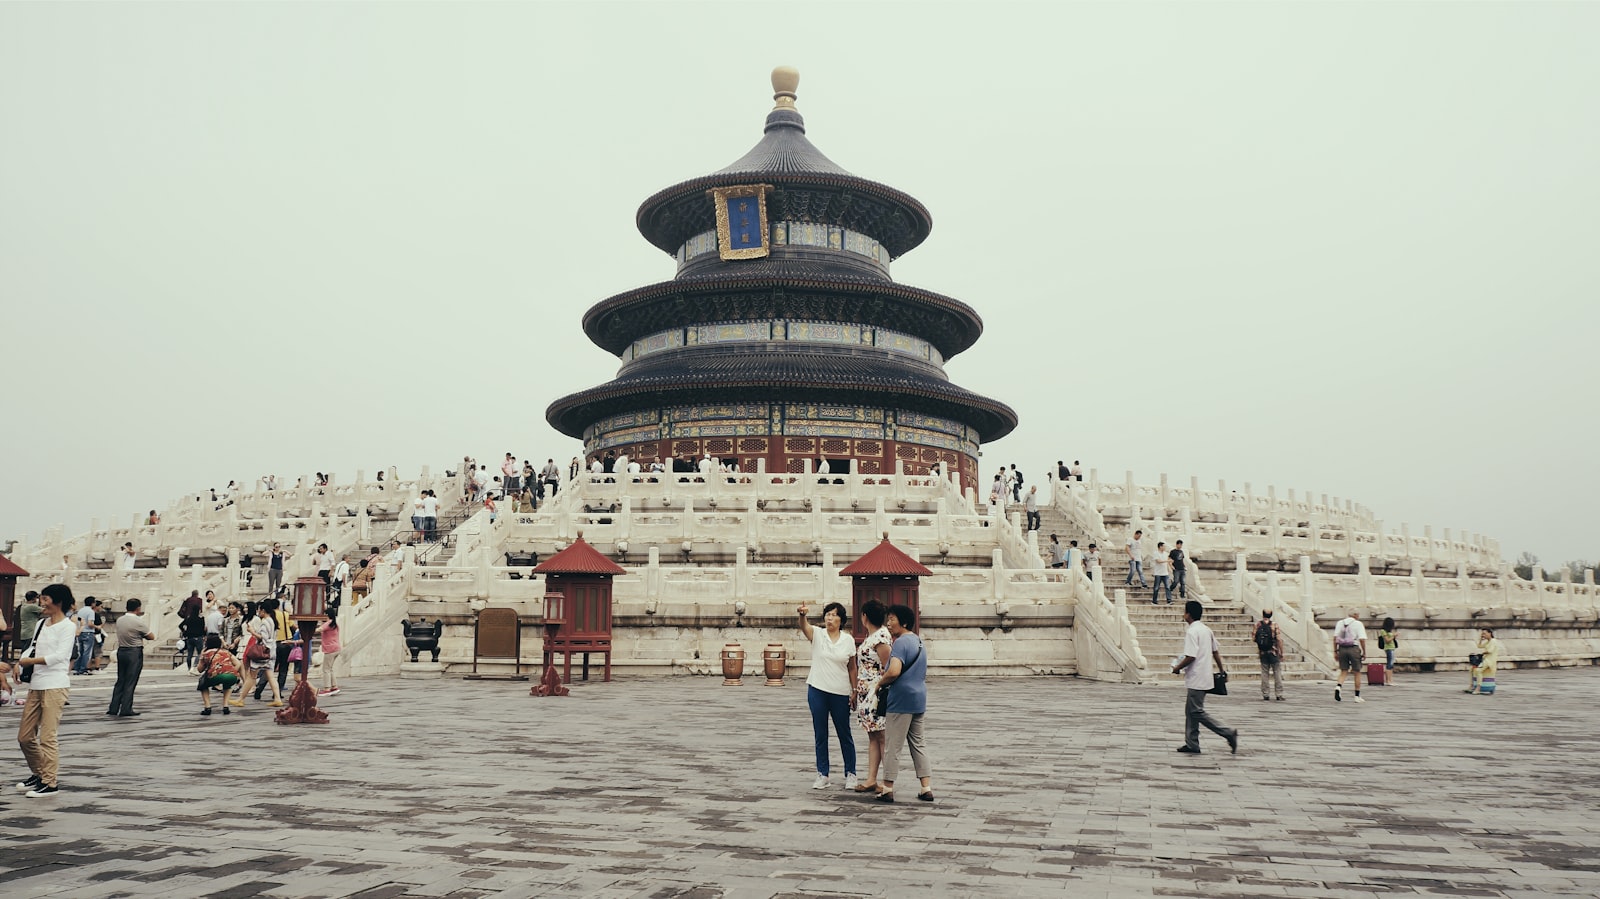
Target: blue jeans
85,652
1161,581
823,706
1136,569
1180,581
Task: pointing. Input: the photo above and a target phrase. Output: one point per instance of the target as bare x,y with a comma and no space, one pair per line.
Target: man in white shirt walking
1350,649
1200,652
1135,552
341,575
1163,573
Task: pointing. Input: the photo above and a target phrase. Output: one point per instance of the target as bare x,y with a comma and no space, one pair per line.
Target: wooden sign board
497,637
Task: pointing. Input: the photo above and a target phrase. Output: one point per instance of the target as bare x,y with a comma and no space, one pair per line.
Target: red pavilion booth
887,575
583,577
9,572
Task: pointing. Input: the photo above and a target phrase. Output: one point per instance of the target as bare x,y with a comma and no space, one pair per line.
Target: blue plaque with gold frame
742,221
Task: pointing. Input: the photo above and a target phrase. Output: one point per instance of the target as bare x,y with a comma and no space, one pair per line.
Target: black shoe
1188,751
42,790
206,710
130,714
227,711
1233,742
30,783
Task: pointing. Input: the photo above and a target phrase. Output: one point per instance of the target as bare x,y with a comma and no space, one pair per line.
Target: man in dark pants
1200,651
131,634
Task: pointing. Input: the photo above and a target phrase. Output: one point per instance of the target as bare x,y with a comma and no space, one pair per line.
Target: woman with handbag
1487,656
828,688
871,659
260,647
906,677
218,668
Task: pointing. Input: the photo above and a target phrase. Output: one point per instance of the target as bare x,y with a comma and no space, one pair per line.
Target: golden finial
785,79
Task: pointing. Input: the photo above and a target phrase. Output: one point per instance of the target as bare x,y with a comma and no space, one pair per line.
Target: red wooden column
582,575
888,575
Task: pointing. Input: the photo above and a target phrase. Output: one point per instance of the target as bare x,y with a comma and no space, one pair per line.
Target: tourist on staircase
1135,553
1015,477
1163,573
1180,570
1031,506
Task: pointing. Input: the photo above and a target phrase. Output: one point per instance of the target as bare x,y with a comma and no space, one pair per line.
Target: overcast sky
1348,248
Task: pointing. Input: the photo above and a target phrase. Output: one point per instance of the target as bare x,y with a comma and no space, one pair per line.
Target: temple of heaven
782,338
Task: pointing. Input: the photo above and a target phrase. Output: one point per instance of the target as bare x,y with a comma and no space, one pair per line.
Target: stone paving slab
679,787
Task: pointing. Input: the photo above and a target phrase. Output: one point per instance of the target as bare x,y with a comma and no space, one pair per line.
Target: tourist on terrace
829,687
218,668
153,520
997,493
1091,561
1269,646
1016,483
275,569
128,558
1349,650
1063,473
1388,642
1200,652
232,628
906,676
551,474
871,660
331,642
1057,552
258,663
49,653
87,622
1482,672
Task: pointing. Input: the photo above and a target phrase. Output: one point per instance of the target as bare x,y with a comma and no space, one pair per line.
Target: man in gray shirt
131,634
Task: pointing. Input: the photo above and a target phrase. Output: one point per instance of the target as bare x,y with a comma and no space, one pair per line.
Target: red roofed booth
9,572
583,576
888,575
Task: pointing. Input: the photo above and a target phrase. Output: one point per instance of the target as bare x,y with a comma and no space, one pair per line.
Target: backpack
1264,639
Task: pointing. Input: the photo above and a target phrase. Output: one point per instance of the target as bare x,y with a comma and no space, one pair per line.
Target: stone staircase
1160,628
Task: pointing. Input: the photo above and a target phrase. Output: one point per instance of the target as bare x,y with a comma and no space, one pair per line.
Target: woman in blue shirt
908,700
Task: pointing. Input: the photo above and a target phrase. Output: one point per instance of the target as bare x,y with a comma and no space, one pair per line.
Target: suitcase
1375,674
1486,686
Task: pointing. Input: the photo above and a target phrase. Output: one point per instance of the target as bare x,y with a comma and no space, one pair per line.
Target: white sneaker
821,783
850,781
1359,699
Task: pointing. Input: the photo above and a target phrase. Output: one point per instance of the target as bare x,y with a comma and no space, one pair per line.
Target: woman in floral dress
871,659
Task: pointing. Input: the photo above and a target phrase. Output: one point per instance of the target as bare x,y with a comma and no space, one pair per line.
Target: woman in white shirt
829,688
49,655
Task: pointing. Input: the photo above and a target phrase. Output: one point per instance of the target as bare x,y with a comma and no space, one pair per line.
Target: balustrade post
233,585
1241,572
1166,495
1405,539
997,574
1308,618
1364,571
1233,530
1194,492
1427,534
1249,499
1094,486
830,577
1131,494
741,572
1417,580
652,576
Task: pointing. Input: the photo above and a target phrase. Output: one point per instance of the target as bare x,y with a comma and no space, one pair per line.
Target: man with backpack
1350,649
1269,643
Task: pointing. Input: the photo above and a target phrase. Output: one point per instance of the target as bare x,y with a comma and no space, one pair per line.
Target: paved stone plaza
680,787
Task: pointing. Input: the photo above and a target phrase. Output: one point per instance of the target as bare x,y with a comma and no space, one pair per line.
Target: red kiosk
887,575
9,572
577,611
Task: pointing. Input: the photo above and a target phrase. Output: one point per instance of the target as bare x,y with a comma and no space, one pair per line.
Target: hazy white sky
1341,247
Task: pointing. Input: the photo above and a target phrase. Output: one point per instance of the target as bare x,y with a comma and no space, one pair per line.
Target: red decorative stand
302,708
555,615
